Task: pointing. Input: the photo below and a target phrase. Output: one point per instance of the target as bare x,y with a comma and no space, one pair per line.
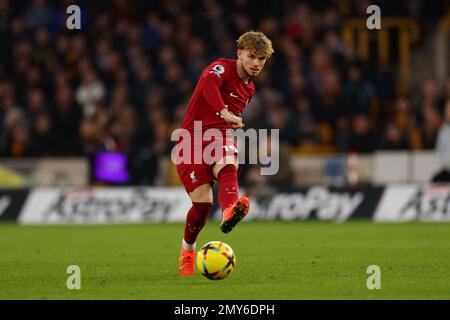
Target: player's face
251,62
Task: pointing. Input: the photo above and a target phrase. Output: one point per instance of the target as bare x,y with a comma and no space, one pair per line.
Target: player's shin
195,221
228,186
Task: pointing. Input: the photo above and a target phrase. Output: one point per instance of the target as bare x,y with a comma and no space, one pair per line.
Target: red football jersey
219,87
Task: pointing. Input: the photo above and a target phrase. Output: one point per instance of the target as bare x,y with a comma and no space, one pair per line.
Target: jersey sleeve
213,78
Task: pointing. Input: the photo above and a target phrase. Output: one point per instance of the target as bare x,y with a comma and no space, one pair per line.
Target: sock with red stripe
195,221
228,186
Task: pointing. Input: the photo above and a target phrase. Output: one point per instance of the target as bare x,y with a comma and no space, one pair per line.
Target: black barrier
11,203
405,202
315,202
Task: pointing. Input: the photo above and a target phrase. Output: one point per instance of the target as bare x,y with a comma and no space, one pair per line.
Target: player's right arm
235,121
213,79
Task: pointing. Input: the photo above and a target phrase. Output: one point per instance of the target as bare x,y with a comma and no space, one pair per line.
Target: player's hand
230,118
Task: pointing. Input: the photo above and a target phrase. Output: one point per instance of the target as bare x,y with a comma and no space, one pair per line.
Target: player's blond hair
255,42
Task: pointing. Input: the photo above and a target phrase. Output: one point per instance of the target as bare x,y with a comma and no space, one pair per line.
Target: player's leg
202,198
234,209
225,171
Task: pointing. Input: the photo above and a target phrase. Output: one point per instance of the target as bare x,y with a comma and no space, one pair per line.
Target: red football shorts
196,169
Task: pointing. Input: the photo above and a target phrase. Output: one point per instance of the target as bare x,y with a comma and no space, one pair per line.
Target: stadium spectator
44,142
66,121
362,138
443,148
90,93
39,14
430,127
394,139
405,120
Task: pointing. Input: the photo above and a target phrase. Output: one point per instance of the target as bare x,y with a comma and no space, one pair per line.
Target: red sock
228,186
195,220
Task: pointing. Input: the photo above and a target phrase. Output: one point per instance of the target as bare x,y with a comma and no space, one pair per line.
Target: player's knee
224,162
202,194
229,160
202,199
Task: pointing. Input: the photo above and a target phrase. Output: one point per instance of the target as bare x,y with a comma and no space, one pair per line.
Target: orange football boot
232,215
186,262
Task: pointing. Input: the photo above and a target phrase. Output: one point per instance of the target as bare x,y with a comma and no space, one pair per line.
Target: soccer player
224,89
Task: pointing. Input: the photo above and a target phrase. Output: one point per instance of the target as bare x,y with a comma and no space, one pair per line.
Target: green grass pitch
275,260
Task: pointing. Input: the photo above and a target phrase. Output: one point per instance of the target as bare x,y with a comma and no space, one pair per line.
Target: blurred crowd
122,82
